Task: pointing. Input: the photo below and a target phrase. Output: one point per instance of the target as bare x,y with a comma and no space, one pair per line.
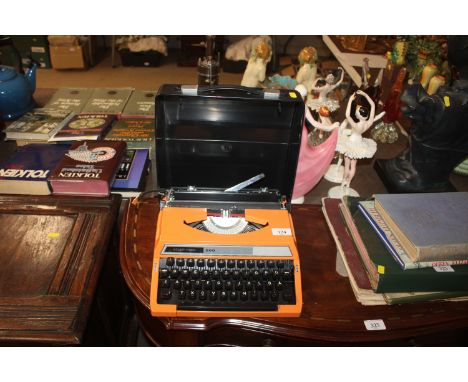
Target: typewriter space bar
258,307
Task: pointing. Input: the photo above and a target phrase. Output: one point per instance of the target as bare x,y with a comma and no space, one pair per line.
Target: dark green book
385,274
70,99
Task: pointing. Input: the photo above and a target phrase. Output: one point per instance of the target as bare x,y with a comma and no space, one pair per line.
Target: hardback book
385,275
70,99
137,132
88,168
130,178
356,272
107,100
429,226
140,104
392,243
38,125
84,127
28,169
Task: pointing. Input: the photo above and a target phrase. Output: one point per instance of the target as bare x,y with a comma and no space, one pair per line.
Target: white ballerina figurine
308,71
323,87
256,68
360,116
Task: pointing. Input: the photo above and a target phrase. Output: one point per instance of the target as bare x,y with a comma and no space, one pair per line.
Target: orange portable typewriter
224,250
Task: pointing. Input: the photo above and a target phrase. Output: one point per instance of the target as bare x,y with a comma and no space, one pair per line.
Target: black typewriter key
269,285
223,296
233,296
254,295
228,285
202,295
270,264
249,285
221,263
226,275
265,275
170,261
250,263
182,295
264,295
166,294
287,296
240,263
213,295
260,263
207,284
256,275
174,273
165,283
218,285
197,284
184,273
246,275
275,274
190,263
205,274
186,284
274,296
244,296
236,275
287,275
216,275
163,273
280,264
239,285
192,295
180,262
279,285
177,284
200,263
211,263
231,263
258,285
195,274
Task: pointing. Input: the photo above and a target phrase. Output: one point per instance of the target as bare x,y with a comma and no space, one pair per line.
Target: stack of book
400,248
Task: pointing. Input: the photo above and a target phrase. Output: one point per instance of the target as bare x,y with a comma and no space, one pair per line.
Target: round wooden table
330,316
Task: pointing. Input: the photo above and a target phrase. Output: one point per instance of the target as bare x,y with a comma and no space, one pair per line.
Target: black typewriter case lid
219,136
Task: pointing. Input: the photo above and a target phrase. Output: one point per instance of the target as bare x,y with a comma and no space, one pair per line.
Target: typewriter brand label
281,231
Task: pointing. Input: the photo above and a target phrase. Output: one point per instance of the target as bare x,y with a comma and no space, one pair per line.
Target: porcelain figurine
360,116
256,68
323,87
308,67
313,160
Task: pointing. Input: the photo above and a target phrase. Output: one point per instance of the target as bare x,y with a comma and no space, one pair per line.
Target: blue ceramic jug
16,91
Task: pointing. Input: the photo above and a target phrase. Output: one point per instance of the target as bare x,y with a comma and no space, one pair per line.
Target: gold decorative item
354,43
435,83
429,71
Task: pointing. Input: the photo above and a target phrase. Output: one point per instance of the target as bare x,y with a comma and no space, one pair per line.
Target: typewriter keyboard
226,284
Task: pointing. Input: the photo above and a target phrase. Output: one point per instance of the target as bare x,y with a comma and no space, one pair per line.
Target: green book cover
107,100
391,278
137,132
70,99
140,104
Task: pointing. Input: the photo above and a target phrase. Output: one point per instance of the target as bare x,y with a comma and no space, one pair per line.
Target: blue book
132,172
27,170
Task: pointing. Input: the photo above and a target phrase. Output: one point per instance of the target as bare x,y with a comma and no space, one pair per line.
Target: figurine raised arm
323,87
360,116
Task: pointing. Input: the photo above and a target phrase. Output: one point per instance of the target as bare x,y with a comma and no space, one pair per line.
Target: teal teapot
16,91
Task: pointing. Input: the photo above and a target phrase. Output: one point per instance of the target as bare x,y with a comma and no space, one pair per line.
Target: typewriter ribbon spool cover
222,250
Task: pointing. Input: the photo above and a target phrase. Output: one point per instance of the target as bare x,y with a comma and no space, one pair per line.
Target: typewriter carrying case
216,137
